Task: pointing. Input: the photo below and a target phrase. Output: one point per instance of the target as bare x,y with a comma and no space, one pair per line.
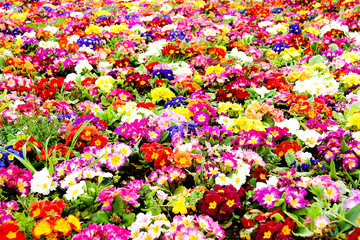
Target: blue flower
157,73
175,129
277,10
279,47
148,37
176,102
168,74
294,28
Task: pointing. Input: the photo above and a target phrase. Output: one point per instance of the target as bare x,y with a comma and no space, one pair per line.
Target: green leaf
3,61
128,219
142,69
100,217
32,25
352,215
118,205
344,146
333,46
156,211
339,117
333,169
290,158
59,21
316,60
164,136
179,190
104,101
314,212
302,231
277,217
353,108
314,46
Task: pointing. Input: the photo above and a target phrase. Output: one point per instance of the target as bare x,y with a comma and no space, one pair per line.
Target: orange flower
88,132
256,111
182,159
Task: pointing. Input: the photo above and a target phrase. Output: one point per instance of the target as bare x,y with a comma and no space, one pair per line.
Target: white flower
77,15
42,182
309,137
71,77
261,91
265,24
240,56
222,180
292,124
51,29
356,135
75,191
273,180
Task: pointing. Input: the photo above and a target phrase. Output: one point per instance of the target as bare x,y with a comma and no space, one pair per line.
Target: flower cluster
220,202
49,220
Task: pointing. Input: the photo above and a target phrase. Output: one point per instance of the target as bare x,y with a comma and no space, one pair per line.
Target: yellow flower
312,30
179,206
292,53
214,69
351,79
92,29
271,54
75,222
350,56
354,121
62,226
161,93
105,83
42,228
299,75
102,12
247,124
119,28
229,107
21,17
185,112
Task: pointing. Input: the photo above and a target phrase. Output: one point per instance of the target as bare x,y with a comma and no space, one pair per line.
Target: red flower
247,223
157,153
10,231
99,141
355,235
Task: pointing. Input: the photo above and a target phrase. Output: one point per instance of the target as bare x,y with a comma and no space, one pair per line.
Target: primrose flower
267,196
161,93
321,222
105,83
42,182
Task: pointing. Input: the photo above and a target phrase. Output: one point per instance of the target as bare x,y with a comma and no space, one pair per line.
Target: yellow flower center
212,205
267,234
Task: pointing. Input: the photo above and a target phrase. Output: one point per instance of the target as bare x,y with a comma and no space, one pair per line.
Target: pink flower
321,222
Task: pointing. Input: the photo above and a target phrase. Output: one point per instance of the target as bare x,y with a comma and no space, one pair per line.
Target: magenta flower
267,196
201,117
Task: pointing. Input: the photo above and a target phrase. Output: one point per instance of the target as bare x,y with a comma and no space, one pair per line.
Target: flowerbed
179,119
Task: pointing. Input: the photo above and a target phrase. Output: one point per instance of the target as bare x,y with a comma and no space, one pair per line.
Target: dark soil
233,232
